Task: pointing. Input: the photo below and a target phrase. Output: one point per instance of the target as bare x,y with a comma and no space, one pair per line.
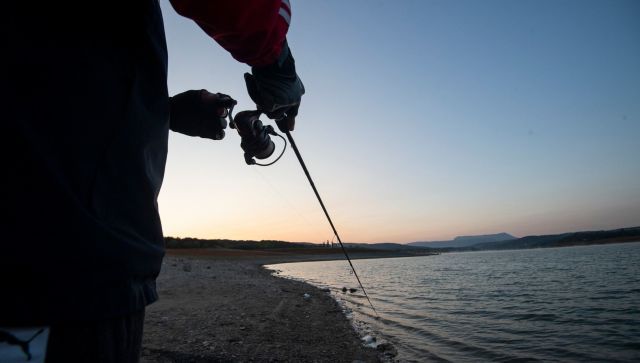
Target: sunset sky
424,120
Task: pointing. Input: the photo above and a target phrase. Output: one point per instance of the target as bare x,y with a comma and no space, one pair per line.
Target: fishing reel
256,137
256,143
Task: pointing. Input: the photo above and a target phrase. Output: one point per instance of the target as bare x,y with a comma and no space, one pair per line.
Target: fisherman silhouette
87,115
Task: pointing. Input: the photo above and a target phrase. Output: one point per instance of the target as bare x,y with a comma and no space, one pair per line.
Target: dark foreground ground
222,306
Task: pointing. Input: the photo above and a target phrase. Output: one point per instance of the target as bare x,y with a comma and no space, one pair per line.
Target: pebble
369,340
387,349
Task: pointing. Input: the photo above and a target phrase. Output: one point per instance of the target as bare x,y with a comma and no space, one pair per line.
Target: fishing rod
324,209
256,143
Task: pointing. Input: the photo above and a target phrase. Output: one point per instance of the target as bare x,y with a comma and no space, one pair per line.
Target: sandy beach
222,305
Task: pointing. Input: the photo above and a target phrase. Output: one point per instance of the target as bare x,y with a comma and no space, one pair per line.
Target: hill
465,241
174,242
631,234
382,249
387,246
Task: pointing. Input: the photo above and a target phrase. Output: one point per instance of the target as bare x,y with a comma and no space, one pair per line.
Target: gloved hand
277,90
200,113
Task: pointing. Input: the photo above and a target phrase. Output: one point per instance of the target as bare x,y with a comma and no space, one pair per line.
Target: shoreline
224,305
276,256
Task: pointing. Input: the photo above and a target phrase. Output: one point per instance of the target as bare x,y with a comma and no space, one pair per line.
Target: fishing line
283,197
324,209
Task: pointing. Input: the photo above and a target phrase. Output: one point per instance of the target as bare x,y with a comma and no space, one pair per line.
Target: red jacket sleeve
253,31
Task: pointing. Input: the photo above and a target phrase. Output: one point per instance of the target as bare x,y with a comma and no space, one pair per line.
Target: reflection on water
557,304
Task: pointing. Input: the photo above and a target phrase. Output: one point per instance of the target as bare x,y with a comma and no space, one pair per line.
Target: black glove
277,90
200,113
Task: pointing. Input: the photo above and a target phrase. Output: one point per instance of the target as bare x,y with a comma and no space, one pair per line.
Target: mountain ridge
581,238
465,241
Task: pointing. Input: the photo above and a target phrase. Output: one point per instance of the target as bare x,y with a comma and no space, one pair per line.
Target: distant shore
285,255
222,305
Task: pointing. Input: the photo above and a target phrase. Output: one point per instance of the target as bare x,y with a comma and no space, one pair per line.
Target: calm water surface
556,304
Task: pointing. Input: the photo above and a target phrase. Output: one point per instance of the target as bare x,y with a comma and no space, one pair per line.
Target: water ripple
557,305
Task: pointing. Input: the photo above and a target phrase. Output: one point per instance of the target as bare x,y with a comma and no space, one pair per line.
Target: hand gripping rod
315,190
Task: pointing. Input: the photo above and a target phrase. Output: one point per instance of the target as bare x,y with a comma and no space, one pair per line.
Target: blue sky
425,120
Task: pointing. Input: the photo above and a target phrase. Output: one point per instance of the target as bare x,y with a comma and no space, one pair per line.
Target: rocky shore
227,308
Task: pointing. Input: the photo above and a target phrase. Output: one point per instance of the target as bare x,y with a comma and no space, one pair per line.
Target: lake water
556,304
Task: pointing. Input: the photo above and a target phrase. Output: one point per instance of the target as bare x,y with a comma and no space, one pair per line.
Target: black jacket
85,126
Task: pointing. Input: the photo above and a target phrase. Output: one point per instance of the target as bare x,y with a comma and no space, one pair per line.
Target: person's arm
254,32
